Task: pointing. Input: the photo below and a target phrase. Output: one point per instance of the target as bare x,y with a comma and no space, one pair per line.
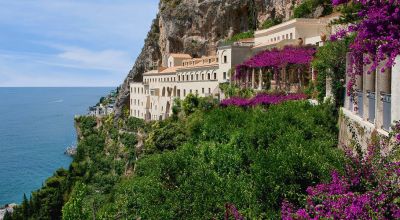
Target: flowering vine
369,189
377,35
277,59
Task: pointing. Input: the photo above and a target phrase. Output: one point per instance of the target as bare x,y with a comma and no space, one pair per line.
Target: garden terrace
286,69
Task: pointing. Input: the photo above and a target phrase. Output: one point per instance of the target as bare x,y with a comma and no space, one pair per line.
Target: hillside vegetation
193,164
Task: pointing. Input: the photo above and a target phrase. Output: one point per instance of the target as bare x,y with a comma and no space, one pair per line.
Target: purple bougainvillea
262,99
277,58
377,35
368,189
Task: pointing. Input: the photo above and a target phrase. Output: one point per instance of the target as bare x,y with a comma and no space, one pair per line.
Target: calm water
36,126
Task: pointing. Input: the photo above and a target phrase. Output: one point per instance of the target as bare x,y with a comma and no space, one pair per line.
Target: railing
387,110
360,104
371,106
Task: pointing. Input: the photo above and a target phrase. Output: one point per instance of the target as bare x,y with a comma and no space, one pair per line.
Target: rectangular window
224,75
202,90
215,75
291,35
209,90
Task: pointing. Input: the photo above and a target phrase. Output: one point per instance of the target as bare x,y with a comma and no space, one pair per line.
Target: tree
74,208
330,61
25,207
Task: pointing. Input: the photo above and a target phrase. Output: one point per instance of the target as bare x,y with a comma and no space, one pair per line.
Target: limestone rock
196,27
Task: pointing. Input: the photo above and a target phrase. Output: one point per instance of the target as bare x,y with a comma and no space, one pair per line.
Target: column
328,88
247,79
260,79
253,78
383,88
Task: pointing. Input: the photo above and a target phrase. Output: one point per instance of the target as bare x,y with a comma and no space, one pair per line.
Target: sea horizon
37,125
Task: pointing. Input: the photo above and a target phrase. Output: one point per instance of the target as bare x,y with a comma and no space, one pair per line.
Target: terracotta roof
151,72
180,55
169,70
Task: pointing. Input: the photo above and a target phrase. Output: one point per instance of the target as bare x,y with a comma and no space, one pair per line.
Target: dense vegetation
308,7
239,36
193,164
330,61
368,189
270,22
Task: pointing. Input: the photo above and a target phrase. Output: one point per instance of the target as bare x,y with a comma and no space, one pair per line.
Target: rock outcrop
196,27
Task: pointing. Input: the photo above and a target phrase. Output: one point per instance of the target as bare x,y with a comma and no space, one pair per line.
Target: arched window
209,76
215,75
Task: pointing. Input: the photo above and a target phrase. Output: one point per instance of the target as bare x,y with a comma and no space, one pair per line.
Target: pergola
284,69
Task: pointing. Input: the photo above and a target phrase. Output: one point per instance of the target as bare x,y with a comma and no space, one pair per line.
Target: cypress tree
25,207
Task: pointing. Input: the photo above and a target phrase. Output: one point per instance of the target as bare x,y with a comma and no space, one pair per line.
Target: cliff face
195,27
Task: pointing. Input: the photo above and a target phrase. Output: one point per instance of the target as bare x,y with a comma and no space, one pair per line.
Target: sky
62,43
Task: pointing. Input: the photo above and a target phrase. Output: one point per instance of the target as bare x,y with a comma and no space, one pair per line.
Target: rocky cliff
196,27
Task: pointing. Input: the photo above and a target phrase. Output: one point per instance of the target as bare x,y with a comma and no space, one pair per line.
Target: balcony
371,106
387,110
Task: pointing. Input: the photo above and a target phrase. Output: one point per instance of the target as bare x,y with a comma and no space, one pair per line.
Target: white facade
308,30
153,98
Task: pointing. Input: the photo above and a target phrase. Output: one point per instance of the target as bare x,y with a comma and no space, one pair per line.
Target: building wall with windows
309,30
160,87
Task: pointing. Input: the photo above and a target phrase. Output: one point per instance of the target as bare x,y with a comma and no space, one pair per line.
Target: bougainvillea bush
377,35
277,58
262,99
369,189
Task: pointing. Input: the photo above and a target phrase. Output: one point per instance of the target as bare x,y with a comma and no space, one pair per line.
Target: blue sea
36,126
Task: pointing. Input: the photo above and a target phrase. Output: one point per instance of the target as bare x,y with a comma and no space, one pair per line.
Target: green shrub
132,124
271,22
240,36
307,7
190,104
252,158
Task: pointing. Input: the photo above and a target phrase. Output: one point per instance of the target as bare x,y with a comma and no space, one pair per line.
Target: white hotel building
153,98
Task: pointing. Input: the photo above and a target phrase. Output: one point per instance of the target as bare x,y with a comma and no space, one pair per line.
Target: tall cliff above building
196,27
